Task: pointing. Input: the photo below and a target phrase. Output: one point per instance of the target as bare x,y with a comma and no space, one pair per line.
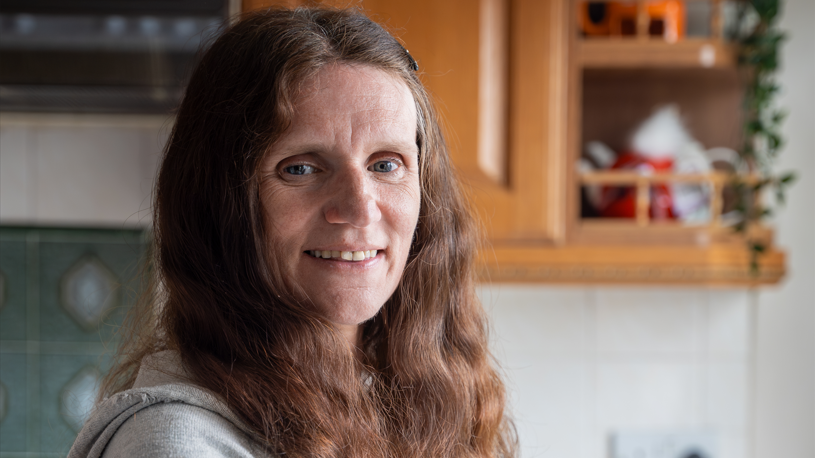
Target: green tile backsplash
48,359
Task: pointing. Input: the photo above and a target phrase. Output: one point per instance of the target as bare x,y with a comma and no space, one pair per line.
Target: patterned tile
13,311
13,426
3,401
78,395
57,259
88,291
65,381
2,290
51,342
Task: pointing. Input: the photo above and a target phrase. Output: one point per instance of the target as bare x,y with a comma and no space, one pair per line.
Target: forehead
343,92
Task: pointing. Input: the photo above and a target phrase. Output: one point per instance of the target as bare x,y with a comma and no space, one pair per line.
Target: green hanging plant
755,30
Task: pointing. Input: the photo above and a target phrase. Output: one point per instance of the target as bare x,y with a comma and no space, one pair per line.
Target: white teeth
344,255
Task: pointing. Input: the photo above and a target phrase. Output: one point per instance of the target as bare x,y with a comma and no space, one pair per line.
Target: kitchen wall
586,362
582,362
785,339
74,170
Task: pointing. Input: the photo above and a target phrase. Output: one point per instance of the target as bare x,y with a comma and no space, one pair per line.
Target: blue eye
299,169
384,166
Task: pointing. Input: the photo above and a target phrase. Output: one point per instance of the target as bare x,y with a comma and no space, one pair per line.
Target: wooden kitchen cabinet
508,77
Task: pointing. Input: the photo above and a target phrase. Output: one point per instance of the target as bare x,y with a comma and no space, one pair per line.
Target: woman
316,264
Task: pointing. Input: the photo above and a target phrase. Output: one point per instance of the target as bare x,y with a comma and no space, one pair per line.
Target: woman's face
340,191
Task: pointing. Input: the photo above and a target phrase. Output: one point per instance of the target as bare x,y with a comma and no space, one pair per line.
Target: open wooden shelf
626,251
654,53
639,250
617,83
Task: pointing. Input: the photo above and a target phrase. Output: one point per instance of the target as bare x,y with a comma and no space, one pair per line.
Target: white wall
586,362
785,398
74,170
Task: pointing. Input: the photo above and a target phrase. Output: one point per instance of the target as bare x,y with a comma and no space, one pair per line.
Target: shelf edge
719,266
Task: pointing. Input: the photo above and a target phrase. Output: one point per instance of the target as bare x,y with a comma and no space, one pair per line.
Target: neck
351,333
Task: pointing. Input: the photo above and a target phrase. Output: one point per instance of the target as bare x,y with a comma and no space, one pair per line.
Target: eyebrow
398,147
316,147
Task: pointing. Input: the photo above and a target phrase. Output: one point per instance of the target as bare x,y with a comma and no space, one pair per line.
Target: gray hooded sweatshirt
164,416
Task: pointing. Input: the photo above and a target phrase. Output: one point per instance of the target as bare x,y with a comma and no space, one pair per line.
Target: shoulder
165,421
162,416
176,429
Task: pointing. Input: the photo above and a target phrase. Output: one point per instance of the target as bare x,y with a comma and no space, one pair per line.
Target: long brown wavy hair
423,382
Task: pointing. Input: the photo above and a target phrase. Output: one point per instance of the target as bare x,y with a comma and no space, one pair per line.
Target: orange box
665,18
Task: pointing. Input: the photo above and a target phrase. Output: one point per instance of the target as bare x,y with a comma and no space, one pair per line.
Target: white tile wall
584,363
78,169
647,321
646,394
550,426
550,321
726,395
733,444
15,199
89,173
728,315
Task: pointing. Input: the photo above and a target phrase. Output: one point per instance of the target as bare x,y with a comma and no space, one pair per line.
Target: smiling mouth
352,256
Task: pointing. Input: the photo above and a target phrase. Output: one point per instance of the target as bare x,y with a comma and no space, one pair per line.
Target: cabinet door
498,72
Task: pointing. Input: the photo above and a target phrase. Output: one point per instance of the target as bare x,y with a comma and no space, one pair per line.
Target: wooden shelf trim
723,266
654,53
624,177
644,181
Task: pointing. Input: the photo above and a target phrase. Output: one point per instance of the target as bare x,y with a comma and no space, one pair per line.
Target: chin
350,314
350,307
351,311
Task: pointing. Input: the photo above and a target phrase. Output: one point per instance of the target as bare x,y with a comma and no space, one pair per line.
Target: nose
352,201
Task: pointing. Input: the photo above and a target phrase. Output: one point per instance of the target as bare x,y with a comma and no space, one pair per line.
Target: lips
352,256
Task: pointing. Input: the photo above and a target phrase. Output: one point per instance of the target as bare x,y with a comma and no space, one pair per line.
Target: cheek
285,214
404,205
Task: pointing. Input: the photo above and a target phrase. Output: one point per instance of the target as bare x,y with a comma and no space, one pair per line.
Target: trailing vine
760,41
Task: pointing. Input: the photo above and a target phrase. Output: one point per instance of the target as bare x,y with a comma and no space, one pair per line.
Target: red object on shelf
666,18
621,201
